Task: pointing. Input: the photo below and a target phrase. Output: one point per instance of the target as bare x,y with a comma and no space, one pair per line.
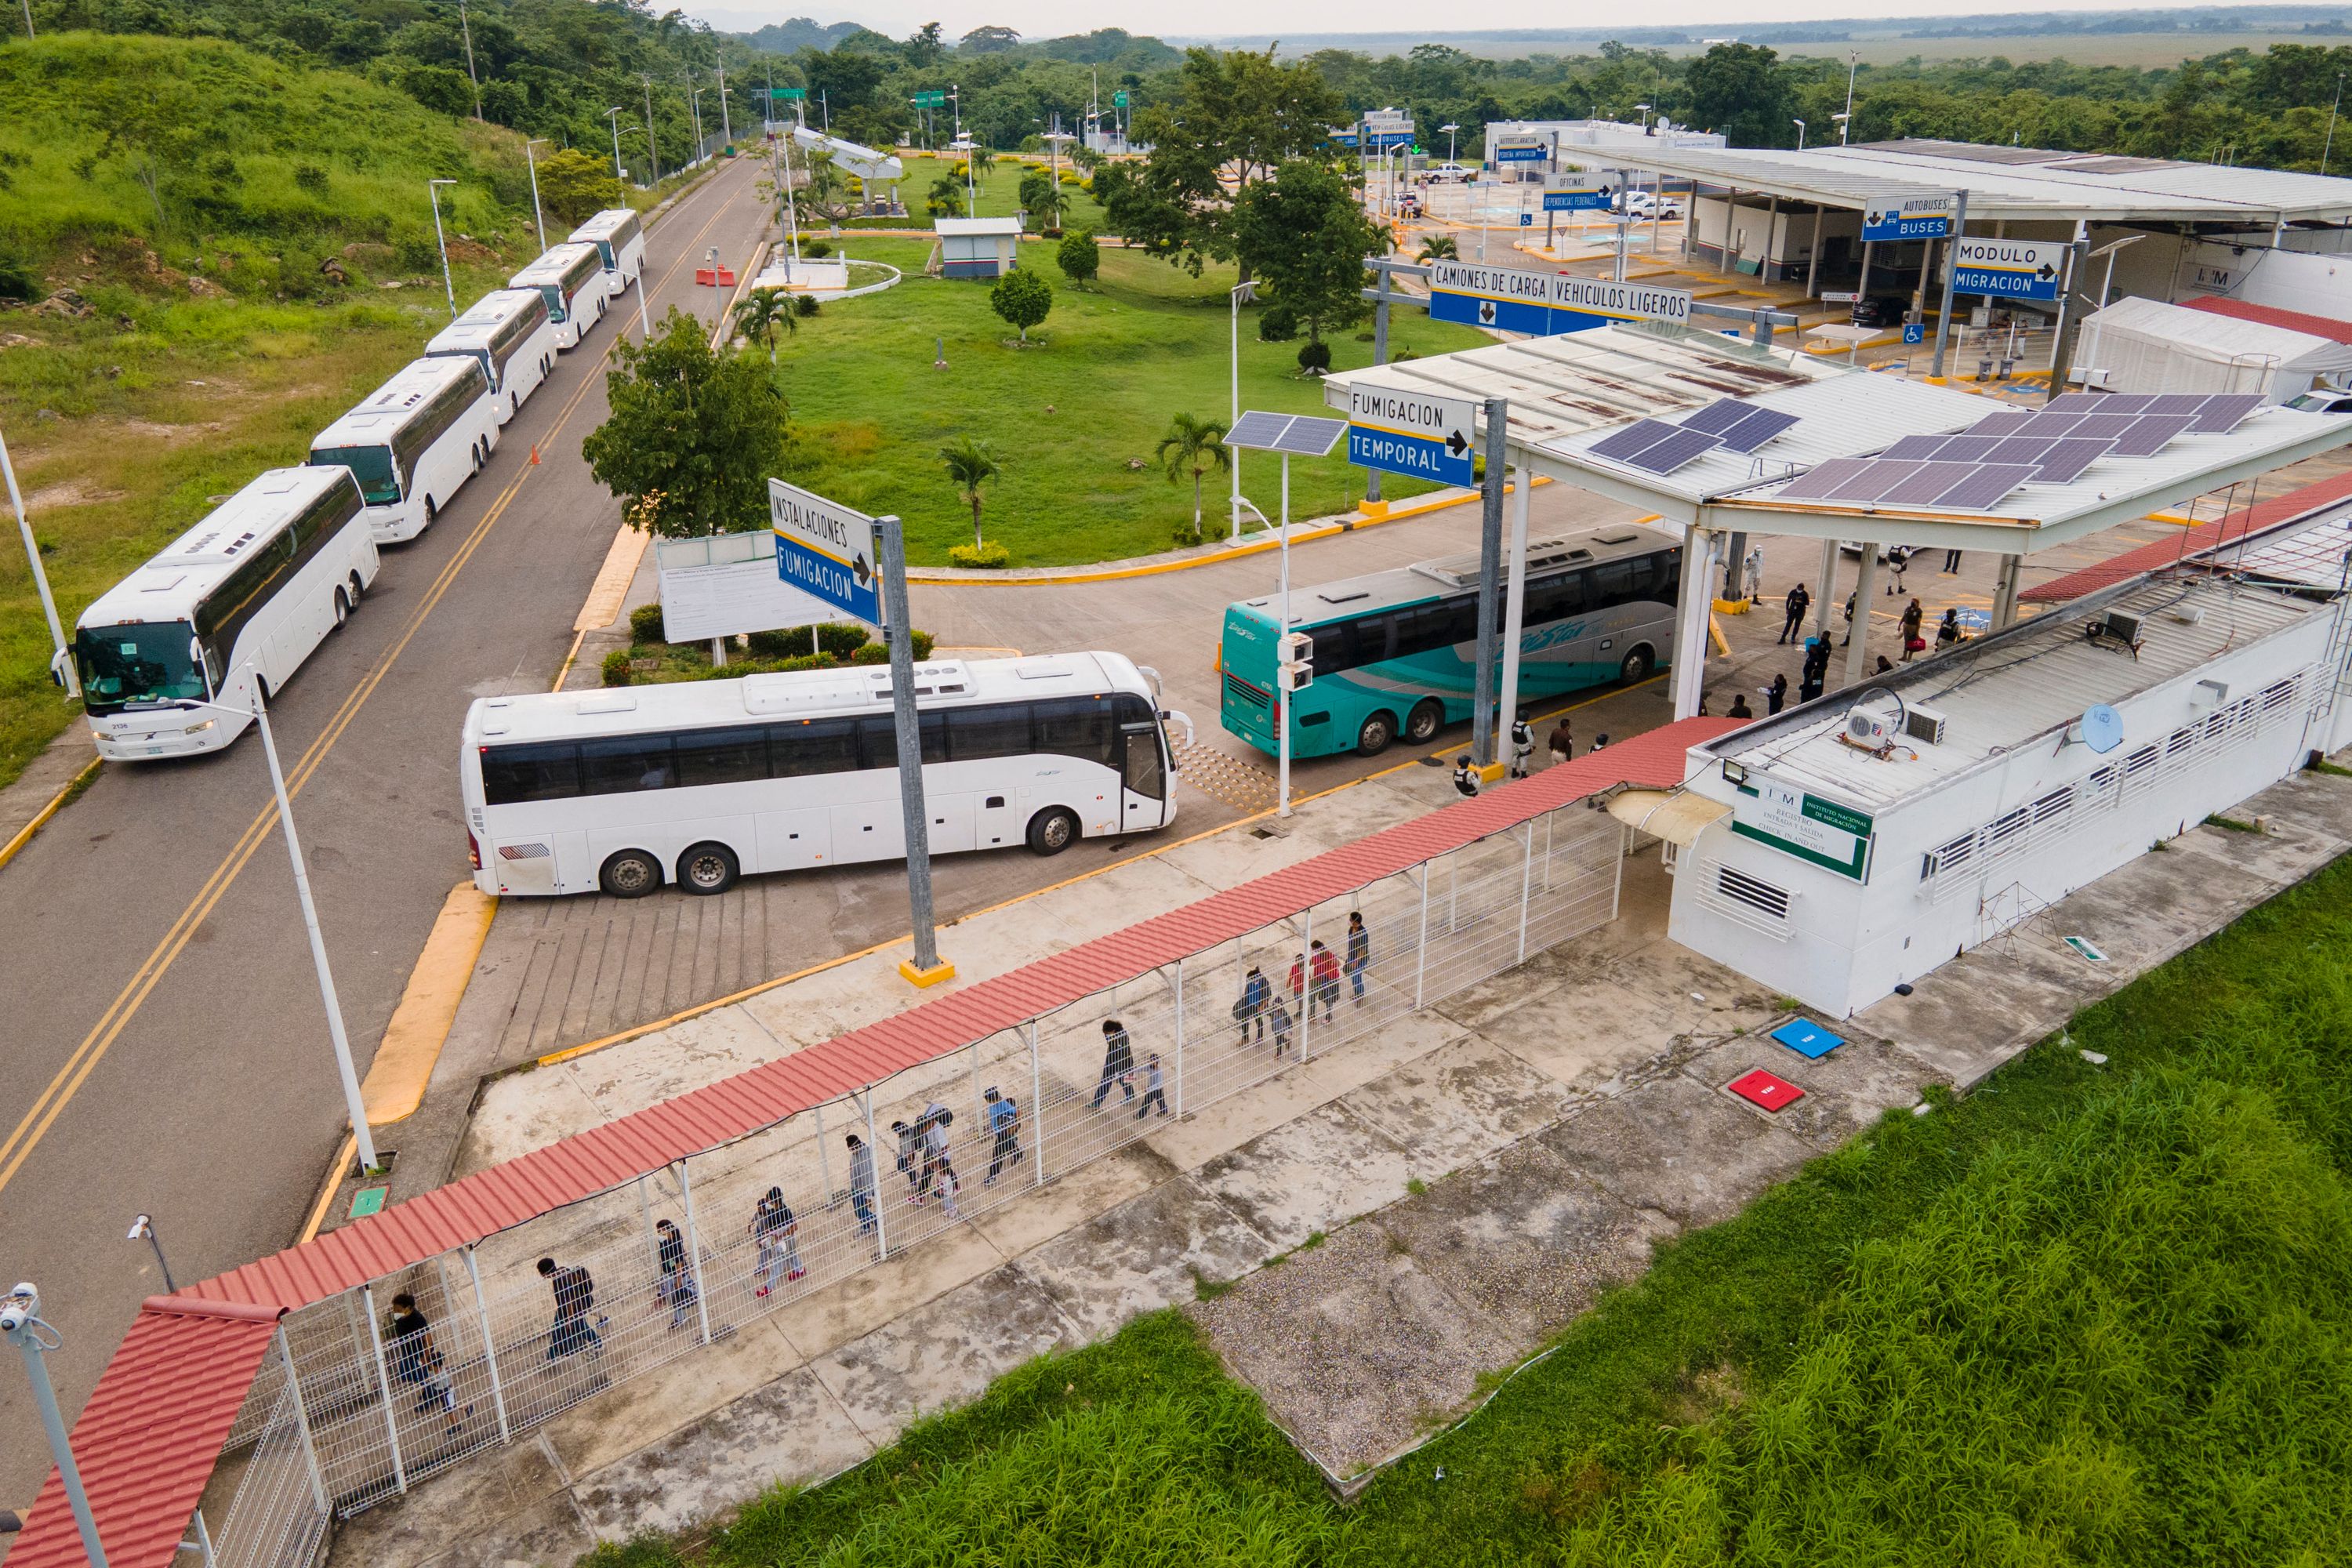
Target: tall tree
1022,298
692,436
1743,91
763,314
1194,447
1305,235
969,465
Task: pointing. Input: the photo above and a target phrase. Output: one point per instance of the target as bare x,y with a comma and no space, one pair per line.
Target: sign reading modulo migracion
1820,832
2017,268
825,549
1913,217
1409,432
1545,303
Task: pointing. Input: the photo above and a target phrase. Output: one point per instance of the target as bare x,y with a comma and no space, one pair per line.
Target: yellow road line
394,1086
69,1077
23,835
334,1183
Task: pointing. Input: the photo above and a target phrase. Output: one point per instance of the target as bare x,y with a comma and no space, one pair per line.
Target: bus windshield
372,466
554,294
143,664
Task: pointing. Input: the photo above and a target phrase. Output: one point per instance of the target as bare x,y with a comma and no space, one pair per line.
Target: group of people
1560,745
1814,673
1315,981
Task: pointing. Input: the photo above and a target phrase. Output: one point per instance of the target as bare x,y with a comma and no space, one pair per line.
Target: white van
413,441
619,236
570,277
509,332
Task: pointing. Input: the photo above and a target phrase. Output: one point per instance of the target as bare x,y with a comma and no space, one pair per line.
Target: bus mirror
57,666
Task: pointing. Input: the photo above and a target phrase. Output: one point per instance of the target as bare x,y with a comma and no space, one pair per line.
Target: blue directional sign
1404,431
1914,332
826,549
1523,153
1590,197
1512,300
2016,269
1913,217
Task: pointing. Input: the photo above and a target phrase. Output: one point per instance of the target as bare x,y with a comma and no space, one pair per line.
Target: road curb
56,803
404,1058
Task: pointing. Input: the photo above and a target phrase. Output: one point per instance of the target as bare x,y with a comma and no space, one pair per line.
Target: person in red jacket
1327,978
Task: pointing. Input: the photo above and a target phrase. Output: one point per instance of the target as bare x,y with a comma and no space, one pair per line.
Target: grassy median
2089,1314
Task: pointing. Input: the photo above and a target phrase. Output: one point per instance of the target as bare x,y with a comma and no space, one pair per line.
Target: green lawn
2087,1315
1067,418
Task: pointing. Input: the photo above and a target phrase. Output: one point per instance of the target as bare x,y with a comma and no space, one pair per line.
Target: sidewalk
1559,1119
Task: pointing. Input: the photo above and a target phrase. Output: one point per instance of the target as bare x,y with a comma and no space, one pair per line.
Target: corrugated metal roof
149,1434
2271,316
2308,502
2010,691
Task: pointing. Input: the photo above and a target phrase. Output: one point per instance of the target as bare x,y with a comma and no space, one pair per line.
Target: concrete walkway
1558,1121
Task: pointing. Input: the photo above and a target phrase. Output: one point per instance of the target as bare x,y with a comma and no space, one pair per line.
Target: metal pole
726,125
823,1160
1420,960
537,215
28,1337
1180,1037
489,1347
1813,255
384,1381
302,1420
1515,606
353,1103
1381,279
73,677
1037,1105
1282,696
897,633
204,1543
1951,275
1527,883
652,1236
881,1205
2325,147
1305,983
652,152
1233,456
694,1249
2060,354
1490,547
432,194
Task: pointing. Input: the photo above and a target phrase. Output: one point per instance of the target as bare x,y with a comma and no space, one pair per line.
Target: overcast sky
1198,18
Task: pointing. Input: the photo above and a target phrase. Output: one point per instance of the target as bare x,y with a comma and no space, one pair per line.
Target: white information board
725,584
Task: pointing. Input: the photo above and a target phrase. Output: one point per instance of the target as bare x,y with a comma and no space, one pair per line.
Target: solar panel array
1301,435
1975,469
1655,447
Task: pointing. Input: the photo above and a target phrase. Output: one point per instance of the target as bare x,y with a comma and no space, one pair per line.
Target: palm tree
760,313
1439,248
969,465
1194,447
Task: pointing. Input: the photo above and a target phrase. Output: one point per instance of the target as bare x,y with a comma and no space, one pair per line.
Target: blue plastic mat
1807,1038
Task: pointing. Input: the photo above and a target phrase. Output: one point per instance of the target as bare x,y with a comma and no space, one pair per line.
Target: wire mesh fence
407,1377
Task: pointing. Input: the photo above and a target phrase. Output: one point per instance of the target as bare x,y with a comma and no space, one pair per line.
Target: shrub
1315,356
617,667
988,554
1078,258
872,653
834,640
1277,324
19,278
804,305
646,624
311,178
815,247
924,643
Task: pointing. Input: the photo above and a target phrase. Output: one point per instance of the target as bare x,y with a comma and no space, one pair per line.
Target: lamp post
20,1322
449,286
613,114
2091,350
694,115
61,663
2329,145
1242,293
653,153
1801,134
1645,117
1843,121
1853,64
538,216
143,1228
1452,134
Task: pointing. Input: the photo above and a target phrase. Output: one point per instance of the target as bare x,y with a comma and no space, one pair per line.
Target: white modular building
978,246
1861,840
2147,345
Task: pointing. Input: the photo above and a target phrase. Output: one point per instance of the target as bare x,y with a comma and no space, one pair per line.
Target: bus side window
722,756
975,734
512,775
1669,565
1077,726
877,735
1613,584
620,763
811,747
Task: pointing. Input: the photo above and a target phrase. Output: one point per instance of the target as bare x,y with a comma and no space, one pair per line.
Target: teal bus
1396,652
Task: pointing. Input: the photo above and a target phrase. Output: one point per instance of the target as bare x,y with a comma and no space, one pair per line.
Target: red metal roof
161,1411
2271,316
2193,543
147,1438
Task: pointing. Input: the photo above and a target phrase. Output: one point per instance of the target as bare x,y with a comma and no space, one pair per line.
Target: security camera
23,1305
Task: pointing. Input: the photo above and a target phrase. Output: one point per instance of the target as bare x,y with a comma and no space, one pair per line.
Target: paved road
165,1048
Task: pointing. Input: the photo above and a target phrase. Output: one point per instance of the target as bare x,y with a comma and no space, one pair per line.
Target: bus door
1144,773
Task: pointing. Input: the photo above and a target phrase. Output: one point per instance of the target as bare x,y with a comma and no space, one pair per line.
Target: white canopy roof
2150,346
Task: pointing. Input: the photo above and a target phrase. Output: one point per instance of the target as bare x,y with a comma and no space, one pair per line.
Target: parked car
2323,400
1450,173
1881,310
1645,204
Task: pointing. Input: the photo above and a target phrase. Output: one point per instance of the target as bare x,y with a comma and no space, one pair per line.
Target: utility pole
61,662
1845,120
898,633
468,27
2325,148
652,153
432,194
20,1322
538,216
726,126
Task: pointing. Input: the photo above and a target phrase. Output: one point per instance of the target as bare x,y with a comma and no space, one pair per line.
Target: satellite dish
2103,728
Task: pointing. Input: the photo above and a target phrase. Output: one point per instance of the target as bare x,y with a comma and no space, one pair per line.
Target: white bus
509,332
620,239
413,441
572,280
242,597
696,782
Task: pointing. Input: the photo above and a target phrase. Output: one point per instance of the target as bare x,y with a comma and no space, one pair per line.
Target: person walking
1004,1116
775,1230
1466,780
575,1297
416,1360
1118,1062
1754,583
1797,602
1598,741
910,1150
938,1168
677,1286
1948,630
1739,708
1325,965
1913,614
1155,1089
946,1187
1951,562
1359,952
1777,694
861,1185
1257,990
1562,745
1849,619
1523,745
1278,1012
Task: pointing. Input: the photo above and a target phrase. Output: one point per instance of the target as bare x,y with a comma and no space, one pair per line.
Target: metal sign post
924,968
1951,273
1490,552
1407,431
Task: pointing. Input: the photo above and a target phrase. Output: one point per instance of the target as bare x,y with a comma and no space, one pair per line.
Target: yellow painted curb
613,578
23,835
922,979
395,1080
344,1155
1716,632
1733,606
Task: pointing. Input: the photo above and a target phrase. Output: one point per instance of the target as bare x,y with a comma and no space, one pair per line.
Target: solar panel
2075,403
2125,402
1875,481
1983,490
1640,434
1969,448
1719,416
2105,427
2008,422
1932,480
1915,447
2174,404
1816,483
1311,438
1257,431
2066,459
2026,450
2051,424
1666,455
2223,412
1760,425
2150,432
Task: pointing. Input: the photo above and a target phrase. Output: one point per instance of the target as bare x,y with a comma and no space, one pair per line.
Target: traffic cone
534,454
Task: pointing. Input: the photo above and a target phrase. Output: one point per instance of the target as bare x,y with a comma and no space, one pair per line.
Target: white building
2147,345
1865,839
978,246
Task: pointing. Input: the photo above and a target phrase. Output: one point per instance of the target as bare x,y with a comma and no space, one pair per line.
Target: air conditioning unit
1868,730
1923,725
2123,629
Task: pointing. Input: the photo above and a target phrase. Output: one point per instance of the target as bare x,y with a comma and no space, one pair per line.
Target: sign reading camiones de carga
825,549
1404,431
2018,268
1821,832
1545,303
1911,217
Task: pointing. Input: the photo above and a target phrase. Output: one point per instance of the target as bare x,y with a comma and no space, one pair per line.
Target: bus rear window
372,466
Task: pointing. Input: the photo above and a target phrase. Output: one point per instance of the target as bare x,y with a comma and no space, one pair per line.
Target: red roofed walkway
2192,544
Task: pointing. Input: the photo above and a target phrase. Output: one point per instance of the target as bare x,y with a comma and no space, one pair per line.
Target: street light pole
68,675
613,114
1845,120
651,152
538,216
694,115
1801,134
1240,293
20,1322
432,194
2329,145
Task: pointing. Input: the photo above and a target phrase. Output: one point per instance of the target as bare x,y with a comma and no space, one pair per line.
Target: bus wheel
343,607
1421,725
1374,737
631,874
1051,832
431,511
357,588
1637,666
707,868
